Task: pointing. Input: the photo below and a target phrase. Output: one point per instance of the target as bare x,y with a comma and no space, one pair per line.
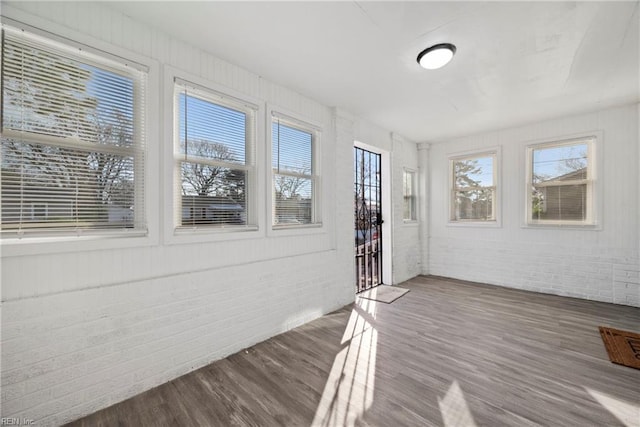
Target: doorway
368,218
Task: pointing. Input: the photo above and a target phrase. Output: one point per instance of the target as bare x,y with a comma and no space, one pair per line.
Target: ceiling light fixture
436,56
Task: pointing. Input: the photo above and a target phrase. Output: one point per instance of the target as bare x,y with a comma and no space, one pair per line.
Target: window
214,158
72,142
409,194
473,193
560,183
295,178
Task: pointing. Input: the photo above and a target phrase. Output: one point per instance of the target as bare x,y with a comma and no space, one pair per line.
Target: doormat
623,347
384,293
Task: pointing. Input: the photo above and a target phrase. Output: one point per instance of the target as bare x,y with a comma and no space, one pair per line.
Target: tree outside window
72,139
473,193
214,158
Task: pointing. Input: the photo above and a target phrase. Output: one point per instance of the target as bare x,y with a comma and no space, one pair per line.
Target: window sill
187,235
563,226
48,244
296,229
479,224
186,230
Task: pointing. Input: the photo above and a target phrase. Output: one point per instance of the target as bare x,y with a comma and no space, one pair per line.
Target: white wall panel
424,206
594,264
407,251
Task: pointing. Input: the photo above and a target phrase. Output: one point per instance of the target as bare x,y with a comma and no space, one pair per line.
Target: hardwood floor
447,353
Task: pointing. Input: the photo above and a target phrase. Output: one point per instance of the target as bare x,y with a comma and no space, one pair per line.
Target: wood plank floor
447,353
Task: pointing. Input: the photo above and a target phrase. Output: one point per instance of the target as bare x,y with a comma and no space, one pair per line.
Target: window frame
593,208
101,54
413,216
174,233
295,121
496,221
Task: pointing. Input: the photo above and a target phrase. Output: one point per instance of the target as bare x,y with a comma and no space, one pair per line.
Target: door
368,218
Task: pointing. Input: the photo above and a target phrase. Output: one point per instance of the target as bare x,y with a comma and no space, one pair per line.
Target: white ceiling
517,62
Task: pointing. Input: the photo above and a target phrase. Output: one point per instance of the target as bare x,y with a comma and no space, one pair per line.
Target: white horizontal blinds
72,138
561,183
293,173
473,195
214,155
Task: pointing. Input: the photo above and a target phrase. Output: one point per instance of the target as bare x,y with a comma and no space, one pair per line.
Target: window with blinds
72,141
214,158
560,183
409,195
294,174
473,189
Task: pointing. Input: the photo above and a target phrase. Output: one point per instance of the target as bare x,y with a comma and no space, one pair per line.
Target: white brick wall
68,353
626,281
407,251
86,324
424,183
593,264
548,268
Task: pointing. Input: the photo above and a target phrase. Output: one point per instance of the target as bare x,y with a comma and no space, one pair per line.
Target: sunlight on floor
628,413
454,409
348,392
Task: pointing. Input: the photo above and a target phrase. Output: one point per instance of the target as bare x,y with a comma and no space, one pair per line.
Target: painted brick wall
424,205
91,324
593,264
68,354
86,324
407,251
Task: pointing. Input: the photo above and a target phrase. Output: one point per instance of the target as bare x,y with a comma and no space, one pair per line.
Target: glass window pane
44,186
49,94
76,162
212,137
473,194
213,195
476,204
559,203
211,131
409,212
560,191
560,163
293,200
474,172
291,149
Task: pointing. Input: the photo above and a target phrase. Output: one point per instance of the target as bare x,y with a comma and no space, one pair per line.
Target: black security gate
368,219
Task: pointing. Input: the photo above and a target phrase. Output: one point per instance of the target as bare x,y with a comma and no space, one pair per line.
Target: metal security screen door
368,218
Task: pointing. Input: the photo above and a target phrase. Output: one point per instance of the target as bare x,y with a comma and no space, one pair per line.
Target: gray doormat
384,293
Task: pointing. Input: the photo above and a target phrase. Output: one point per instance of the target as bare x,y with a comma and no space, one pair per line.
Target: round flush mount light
436,56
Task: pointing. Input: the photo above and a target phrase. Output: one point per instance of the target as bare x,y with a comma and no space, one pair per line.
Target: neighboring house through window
72,138
560,183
